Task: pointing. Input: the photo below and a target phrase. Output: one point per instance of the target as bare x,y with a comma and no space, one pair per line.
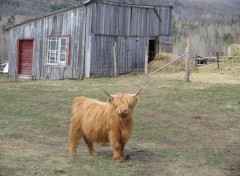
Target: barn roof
87,2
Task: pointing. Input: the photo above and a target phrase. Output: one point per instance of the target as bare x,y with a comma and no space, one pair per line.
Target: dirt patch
234,158
27,149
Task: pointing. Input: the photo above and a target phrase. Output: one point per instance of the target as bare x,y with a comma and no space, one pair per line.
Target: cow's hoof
118,160
72,153
93,153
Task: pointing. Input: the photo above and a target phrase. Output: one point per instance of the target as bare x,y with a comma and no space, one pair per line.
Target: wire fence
106,67
110,64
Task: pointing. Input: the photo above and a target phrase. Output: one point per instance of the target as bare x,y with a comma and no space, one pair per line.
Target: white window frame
59,54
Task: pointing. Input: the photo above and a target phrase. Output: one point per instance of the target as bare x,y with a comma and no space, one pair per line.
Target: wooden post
187,72
146,61
196,60
115,59
217,60
88,58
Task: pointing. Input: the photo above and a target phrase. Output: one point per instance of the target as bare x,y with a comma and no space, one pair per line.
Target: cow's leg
74,136
117,152
117,148
122,150
90,147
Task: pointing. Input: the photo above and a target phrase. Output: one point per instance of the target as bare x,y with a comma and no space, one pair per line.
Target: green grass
180,128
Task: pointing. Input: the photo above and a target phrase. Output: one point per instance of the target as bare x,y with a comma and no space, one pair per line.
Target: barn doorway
151,49
25,57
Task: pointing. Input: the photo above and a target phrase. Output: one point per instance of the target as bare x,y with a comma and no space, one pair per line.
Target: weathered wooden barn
77,42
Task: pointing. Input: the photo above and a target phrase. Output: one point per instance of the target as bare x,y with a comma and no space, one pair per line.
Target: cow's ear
135,100
110,100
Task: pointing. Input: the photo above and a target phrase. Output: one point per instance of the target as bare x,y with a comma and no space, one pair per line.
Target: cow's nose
124,111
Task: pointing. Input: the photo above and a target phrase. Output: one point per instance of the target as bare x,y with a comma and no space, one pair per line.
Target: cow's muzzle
123,113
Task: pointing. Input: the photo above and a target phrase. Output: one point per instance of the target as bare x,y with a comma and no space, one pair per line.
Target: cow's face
124,104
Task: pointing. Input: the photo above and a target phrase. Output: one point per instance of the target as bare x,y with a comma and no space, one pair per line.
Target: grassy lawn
180,128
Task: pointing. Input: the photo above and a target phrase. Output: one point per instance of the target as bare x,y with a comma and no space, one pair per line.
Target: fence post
195,60
146,61
187,62
115,60
217,60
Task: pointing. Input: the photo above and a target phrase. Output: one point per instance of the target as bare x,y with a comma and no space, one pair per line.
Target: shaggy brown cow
103,122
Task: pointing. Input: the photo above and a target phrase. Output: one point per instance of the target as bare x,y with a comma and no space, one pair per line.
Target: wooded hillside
210,25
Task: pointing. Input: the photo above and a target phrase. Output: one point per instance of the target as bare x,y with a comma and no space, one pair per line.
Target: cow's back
92,116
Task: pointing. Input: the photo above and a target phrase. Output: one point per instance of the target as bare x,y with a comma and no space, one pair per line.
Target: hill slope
211,25
32,7
197,9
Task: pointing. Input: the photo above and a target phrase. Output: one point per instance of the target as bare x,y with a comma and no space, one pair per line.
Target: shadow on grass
135,154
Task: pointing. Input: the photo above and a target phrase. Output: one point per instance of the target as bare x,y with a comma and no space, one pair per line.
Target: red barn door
25,57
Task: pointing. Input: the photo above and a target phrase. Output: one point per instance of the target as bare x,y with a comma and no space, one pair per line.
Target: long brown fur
103,122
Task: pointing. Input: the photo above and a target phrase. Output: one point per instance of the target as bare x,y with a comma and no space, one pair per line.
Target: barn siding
70,23
12,50
92,30
109,19
165,44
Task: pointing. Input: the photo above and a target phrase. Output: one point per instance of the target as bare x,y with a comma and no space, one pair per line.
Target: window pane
52,58
63,41
54,45
63,45
62,58
63,49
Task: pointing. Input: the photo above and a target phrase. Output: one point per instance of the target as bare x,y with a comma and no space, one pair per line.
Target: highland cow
103,122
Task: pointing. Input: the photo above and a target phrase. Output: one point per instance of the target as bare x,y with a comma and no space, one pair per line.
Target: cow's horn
138,93
107,94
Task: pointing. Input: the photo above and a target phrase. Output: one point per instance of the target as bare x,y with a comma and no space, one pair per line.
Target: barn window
57,50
